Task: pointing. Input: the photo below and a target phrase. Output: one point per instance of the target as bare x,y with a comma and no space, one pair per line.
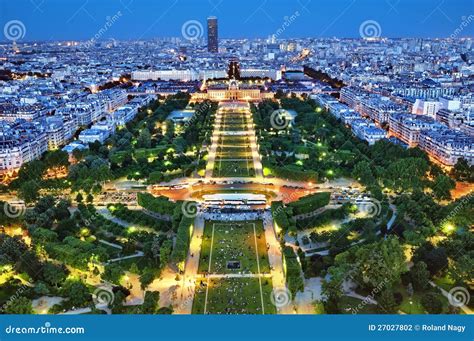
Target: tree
432,303
61,211
406,174
169,129
165,252
147,277
332,289
462,171
165,310
21,305
79,198
56,159
113,273
117,303
387,303
379,262
155,247
54,274
144,139
442,187
90,198
435,258
41,289
134,269
32,170
420,276
150,302
77,292
462,269
363,173
29,191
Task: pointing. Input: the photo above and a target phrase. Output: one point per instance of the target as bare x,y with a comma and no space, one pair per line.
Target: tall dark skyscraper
212,35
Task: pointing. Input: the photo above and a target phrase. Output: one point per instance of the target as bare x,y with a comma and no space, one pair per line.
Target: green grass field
234,296
233,168
234,241
234,140
229,154
242,242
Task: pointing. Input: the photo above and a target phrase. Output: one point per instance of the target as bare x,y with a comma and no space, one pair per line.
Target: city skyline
81,20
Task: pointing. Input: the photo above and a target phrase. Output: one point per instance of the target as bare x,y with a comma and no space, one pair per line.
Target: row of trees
161,205
136,217
294,279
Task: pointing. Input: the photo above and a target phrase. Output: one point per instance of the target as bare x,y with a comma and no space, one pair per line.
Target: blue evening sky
143,19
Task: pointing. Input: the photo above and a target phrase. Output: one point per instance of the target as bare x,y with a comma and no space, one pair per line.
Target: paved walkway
446,294
138,254
188,283
275,259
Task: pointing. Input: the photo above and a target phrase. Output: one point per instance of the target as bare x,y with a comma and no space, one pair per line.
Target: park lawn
445,282
141,263
234,126
149,152
224,168
234,296
234,140
234,241
415,307
230,154
233,149
352,305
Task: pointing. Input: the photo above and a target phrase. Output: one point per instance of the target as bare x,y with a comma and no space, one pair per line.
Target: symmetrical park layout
234,270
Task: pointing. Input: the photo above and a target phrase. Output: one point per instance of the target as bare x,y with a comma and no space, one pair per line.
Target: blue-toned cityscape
213,173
